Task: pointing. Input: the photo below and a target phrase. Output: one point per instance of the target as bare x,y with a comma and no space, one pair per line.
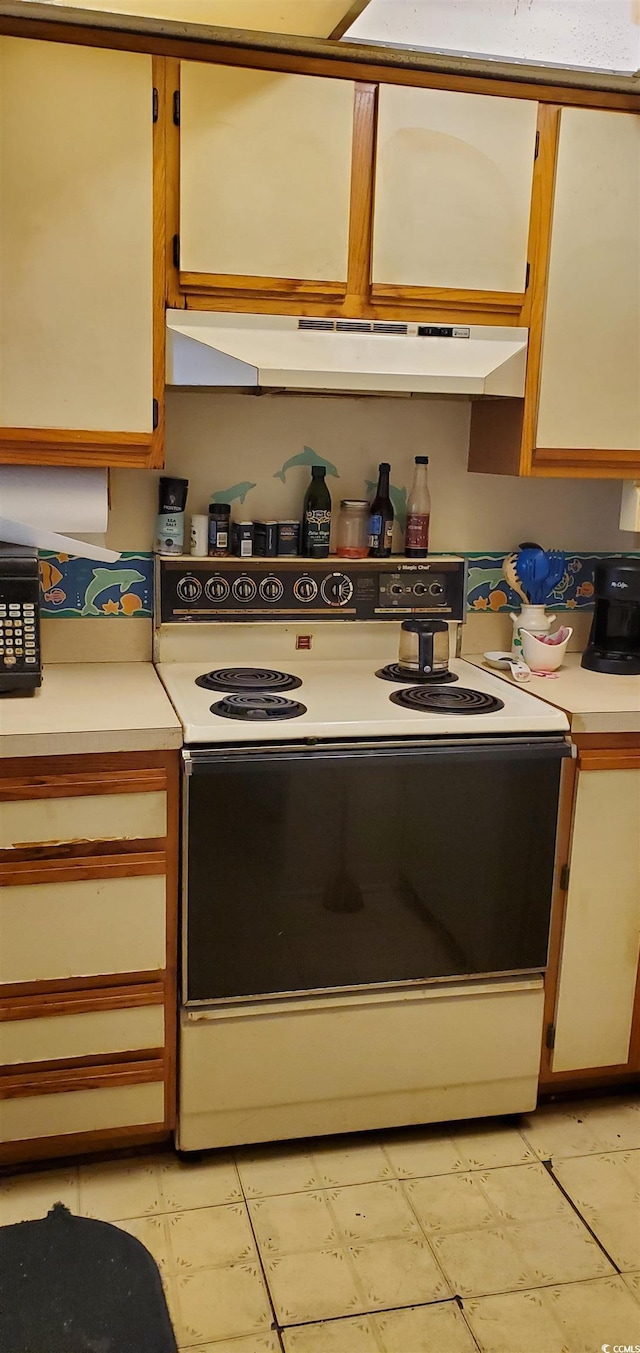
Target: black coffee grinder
614,641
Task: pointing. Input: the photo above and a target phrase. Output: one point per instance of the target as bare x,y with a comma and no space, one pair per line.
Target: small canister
265,538
242,539
200,535
288,537
169,532
219,522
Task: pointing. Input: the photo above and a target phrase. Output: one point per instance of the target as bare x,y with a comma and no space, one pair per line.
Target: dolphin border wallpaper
73,588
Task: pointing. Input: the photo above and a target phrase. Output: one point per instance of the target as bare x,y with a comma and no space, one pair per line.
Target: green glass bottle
316,518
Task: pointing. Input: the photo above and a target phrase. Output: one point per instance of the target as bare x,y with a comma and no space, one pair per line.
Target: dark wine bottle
381,516
316,518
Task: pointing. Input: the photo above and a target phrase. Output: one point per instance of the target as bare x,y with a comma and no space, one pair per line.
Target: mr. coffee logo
615,584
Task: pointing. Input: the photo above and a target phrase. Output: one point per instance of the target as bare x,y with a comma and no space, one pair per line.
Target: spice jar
353,533
219,522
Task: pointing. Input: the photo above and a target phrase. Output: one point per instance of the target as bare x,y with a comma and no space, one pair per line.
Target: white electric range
368,860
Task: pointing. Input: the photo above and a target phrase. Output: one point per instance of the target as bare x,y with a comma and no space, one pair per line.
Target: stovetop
338,696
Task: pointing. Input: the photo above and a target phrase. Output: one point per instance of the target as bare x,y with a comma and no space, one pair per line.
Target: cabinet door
452,190
601,941
76,251
590,381
265,169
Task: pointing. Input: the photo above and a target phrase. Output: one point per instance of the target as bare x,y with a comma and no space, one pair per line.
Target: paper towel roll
55,498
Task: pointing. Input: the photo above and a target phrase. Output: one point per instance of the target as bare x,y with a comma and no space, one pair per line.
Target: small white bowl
543,657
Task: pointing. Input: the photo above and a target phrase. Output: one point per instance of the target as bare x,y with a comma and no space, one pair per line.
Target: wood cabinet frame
65,446
613,751
62,776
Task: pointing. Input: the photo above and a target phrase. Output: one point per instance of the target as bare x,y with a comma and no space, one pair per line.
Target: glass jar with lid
353,529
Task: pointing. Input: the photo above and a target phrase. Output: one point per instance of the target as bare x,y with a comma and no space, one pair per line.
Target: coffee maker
614,641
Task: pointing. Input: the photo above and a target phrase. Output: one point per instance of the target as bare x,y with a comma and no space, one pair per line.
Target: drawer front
82,928
53,1037
52,1115
83,817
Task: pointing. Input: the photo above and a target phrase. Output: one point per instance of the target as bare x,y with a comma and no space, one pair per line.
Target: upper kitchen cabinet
265,181
81,284
453,188
589,403
581,412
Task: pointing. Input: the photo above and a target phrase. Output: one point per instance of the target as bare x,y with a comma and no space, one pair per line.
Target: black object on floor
72,1285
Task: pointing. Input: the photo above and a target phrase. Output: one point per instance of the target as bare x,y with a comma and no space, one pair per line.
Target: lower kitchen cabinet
88,939
592,1030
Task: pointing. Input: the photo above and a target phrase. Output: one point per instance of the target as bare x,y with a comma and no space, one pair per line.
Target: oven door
324,867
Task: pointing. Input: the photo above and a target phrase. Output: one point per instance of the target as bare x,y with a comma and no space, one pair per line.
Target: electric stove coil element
248,679
394,671
256,707
434,700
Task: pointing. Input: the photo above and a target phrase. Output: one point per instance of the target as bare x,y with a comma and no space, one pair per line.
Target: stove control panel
191,590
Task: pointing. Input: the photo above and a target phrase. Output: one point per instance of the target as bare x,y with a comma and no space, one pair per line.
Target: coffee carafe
424,647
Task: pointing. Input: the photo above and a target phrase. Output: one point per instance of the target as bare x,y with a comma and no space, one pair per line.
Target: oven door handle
202,761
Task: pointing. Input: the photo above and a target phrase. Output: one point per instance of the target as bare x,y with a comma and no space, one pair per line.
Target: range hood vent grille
353,326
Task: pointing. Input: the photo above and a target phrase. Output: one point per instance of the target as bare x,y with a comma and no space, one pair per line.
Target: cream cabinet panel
93,1032
76,237
265,169
601,940
81,1111
78,929
453,189
590,382
90,817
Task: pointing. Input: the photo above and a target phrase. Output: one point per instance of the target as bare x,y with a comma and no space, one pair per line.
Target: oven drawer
82,817
81,927
64,1029
54,1111
349,1063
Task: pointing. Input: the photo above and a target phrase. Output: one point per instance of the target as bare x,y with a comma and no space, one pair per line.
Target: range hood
283,352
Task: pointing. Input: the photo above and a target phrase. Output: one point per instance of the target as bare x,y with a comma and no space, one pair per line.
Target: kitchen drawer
32,1116
82,817
81,927
69,1033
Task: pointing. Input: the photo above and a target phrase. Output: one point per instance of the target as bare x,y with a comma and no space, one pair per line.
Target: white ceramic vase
531,618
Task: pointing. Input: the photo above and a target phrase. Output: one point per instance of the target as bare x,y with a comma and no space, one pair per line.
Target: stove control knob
244,589
305,589
396,589
271,589
436,590
420,589
217,588
336,589
189,589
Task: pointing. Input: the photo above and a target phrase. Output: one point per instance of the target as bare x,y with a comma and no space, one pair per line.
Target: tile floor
500,1236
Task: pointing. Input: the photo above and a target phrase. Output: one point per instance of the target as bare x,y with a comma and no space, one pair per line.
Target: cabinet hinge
176,107
176,251
537,147
550,1037
564,877
156,414
155,105
527,276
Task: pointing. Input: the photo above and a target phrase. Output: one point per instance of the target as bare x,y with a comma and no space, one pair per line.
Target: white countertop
596,702
90,707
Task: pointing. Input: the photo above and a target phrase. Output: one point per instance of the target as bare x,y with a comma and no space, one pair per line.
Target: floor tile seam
575,1209
372,1313
506,1220
549,1309
460,1304
275,1323
346,1250
430,1245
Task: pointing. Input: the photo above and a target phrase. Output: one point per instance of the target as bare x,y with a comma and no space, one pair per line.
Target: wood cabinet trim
232,285
510,302
59,446
614,758
353,307
589,462
171,974
363,159
306,56
46,1004
57,986
88,867
158,188
74,1144
544,177
564,832
52,786
68,1079
91,1062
